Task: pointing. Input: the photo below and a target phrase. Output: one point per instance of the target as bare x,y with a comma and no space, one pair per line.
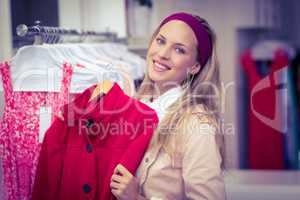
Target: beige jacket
195,173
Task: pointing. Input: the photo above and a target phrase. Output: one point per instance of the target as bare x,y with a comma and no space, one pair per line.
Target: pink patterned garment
19,132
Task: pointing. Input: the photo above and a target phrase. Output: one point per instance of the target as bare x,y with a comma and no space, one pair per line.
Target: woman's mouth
160,67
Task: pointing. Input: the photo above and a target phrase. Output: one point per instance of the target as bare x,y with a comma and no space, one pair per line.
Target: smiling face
172,54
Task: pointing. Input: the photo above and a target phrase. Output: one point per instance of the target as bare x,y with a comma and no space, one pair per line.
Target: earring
190,78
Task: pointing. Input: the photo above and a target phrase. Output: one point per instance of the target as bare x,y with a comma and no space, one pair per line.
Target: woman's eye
179,50
159,41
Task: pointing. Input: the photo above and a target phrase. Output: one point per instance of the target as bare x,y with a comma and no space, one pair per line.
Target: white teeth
160,67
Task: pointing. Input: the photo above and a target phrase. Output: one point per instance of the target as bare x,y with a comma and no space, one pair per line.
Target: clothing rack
48,34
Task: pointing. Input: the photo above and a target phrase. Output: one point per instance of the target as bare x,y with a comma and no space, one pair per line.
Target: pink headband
204,41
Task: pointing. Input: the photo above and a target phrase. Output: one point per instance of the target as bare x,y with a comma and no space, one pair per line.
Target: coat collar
104,106
84,108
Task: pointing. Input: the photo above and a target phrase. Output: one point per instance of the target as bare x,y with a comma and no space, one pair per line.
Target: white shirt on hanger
39,68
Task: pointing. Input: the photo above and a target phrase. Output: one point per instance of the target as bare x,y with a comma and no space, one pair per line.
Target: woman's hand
124,185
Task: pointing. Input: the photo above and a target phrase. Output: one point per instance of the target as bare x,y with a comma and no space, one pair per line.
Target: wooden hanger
102,88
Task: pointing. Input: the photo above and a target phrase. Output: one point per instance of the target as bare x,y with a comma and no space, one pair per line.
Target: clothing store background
239,24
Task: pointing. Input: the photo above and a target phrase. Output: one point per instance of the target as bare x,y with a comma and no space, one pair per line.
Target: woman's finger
117,178
115,185
122,170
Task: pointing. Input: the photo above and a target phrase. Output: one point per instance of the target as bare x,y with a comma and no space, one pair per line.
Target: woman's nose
164,52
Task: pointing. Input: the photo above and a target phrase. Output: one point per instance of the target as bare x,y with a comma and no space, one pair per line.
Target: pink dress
19,132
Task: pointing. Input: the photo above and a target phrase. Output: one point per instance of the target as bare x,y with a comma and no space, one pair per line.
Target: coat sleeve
201,164
48,175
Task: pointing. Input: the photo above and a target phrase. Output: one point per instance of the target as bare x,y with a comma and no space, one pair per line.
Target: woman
184,159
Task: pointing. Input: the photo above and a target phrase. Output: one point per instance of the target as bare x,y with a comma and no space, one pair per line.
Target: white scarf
161,104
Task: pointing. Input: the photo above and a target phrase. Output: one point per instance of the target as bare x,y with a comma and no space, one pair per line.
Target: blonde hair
198,92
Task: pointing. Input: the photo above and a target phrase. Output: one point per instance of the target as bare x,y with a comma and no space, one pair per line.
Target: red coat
74,165
265,142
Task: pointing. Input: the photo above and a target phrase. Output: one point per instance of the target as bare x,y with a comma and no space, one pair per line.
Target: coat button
89,123
86,188
146,160
89,148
